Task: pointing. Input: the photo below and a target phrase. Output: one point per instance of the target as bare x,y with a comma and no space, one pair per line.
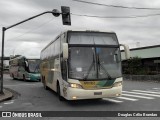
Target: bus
83,65
22,68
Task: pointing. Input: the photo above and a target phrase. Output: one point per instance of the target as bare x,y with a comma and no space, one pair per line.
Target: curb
6,95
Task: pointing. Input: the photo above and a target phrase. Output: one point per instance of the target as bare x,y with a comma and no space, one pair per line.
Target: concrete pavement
6,95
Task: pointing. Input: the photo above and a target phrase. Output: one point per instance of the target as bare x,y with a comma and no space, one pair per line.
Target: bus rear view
90,65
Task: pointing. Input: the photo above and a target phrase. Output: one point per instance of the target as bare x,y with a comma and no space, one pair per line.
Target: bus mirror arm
26,63
126,50
65,51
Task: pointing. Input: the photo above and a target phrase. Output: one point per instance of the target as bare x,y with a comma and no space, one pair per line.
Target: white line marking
112,100
146,91
153,90
10,102
153,95
156,88
137,96
125,98
7,103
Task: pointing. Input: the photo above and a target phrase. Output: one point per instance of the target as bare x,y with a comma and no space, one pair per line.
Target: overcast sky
31,37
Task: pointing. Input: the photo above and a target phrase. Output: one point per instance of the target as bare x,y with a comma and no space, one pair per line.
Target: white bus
83,65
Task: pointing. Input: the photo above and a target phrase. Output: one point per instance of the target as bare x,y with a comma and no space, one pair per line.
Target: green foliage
134,66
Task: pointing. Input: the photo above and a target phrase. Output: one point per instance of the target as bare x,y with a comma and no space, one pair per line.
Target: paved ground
31,96
7,94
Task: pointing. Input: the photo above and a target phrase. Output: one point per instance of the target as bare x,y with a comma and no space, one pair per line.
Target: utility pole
66,21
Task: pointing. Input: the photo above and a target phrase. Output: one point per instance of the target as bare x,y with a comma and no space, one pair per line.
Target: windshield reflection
92,63
33,66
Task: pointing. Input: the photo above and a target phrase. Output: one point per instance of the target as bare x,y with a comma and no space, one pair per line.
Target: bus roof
83,30
17,57
78,30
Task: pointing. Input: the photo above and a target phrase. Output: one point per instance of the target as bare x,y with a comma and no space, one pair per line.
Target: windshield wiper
36,68
90,68
101,65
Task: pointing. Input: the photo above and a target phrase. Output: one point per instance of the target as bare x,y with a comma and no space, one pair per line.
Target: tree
133,66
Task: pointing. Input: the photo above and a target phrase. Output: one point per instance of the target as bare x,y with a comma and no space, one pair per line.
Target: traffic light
66,19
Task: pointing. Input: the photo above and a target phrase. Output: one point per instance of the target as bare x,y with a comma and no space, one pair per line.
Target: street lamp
65,18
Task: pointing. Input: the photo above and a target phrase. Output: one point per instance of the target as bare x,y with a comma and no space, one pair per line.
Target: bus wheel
13,77
59,93
45,86
24,78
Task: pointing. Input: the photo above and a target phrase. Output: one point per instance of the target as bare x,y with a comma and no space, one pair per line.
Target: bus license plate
97,93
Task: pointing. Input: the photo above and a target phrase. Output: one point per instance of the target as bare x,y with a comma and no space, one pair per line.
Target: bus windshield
33,66
94,61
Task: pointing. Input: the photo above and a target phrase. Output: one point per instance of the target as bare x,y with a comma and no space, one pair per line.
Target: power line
117,6
30,30
133,16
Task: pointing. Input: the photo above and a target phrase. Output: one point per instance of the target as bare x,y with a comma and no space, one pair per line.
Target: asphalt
6,95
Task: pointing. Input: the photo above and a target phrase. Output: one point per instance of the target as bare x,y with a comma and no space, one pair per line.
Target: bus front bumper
77,94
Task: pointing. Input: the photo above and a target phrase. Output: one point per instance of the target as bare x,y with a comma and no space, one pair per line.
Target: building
150,57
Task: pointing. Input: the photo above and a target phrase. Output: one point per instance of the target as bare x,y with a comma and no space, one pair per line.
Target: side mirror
65,51
126,50
26,63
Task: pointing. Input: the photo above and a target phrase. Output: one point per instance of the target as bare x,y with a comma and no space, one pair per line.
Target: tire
39,80
44,83
45,86
59,93
24,78
13,77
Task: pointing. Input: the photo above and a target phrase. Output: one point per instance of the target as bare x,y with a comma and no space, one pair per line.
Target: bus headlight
74,85
117,84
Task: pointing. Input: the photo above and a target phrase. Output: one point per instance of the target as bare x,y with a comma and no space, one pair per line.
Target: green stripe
105,83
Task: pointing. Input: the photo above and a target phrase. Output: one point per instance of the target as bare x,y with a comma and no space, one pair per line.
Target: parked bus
83,65
22,68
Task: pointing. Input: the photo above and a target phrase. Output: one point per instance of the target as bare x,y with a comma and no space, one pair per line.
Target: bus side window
21,69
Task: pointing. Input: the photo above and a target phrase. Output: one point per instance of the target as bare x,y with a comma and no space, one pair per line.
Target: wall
142,77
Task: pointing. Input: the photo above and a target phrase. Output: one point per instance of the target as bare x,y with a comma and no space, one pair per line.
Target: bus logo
90,83
6,114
